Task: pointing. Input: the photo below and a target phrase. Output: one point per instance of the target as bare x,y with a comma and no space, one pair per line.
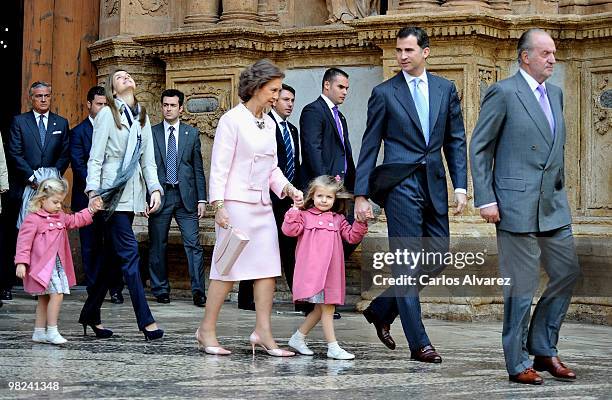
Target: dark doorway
11,43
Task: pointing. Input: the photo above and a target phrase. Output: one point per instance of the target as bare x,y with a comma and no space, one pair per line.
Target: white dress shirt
45,119
331,105
423,87
167,133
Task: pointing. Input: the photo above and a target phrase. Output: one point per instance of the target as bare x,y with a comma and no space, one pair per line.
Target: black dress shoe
248,307
6,294
382,330
337,315
163,298
199,299
116,298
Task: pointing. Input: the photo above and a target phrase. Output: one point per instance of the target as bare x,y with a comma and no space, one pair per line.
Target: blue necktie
422,109
41,129
171,159
290,168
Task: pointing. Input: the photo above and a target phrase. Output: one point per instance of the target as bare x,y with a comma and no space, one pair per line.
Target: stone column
240,12
268,12
201,13
412,6
467,5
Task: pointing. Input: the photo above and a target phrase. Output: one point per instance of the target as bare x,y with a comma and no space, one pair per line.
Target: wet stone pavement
126,366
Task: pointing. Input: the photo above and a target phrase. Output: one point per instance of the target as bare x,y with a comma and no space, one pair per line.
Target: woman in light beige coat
122,169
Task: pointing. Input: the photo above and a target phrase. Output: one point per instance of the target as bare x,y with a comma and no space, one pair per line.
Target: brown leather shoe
427,354
382,330
528,376
554,366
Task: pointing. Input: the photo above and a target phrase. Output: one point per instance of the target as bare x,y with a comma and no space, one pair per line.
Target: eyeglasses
42,96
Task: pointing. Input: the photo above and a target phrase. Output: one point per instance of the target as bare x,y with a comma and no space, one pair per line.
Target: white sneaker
40,336
339,353
54,337
300,345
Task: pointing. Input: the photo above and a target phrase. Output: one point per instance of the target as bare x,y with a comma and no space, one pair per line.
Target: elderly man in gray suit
517,167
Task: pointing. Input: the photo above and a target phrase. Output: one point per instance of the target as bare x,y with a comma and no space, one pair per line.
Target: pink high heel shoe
214,350
256,340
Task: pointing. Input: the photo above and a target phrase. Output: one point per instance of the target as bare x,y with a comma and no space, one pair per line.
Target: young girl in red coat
319,258
43,257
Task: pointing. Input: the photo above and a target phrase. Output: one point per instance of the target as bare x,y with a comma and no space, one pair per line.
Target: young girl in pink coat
319,258
43,257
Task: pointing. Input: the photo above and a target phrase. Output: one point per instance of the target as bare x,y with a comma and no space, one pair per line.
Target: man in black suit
94,253
326,149
416,114
38,138
180,169
288,151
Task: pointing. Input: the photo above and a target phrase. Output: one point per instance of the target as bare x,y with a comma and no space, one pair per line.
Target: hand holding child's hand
20,271
298,198
96,204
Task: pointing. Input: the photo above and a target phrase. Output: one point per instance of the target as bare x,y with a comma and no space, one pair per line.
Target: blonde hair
333,184
47,188
110,102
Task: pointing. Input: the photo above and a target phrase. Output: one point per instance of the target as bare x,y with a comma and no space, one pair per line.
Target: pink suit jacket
319,256
244,162
42,237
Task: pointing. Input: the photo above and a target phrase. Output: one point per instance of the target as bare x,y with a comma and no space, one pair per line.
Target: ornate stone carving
206,119
153,7
485,79
346,10
111,8
602,115
148,92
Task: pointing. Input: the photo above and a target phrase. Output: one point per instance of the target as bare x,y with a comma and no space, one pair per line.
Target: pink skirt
260,258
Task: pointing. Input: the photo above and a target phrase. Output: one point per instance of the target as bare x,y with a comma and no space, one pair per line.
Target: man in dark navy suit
94,253
326,149
180,169
38,138
288,152
416,114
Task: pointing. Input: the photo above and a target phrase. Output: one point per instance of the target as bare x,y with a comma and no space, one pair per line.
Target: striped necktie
290,168
171,159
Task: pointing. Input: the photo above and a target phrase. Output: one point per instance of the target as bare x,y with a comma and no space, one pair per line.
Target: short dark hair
95,91
418,33
173,93
331,74
256,76
524,42
289,89
38,84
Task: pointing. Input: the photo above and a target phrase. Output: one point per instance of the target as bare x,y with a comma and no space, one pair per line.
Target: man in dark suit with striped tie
38,139
94,253
288,152
180,169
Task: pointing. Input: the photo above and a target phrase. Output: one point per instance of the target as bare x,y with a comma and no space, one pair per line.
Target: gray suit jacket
192,183
515,161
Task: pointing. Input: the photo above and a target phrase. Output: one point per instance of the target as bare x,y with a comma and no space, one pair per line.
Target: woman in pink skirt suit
242,173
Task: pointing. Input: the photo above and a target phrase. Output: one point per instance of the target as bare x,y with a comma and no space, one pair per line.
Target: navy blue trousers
410,218
118,229
97,252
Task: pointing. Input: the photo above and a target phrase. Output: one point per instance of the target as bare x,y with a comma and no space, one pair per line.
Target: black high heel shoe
153,335
100,333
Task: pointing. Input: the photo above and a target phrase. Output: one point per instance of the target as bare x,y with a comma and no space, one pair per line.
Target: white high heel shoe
300,345
214,350
256,340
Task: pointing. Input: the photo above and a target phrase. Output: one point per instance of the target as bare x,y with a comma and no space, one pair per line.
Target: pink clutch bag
229,250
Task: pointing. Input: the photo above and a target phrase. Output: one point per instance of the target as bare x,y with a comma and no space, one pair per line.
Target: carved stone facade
200,48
